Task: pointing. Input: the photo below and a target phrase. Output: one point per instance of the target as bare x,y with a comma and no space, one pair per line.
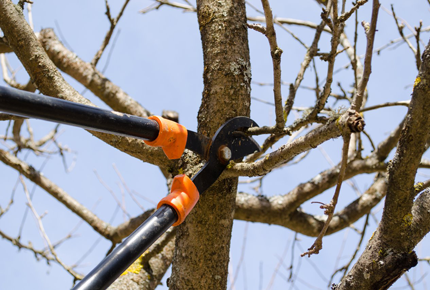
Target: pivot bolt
224,154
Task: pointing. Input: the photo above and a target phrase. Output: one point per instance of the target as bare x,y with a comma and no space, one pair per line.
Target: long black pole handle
30,105
105,273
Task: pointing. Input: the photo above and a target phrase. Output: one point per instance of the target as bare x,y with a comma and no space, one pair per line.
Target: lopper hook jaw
228,143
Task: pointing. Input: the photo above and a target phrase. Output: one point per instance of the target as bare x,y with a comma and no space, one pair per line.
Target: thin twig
6,209
271,140
403,20
342,247
30,15
44,235
400,27
16,132
38,253
317,87
417,38
397,40
329,208
281,261
355,59
357,249
248,181
111,51
118,202
62,38
348,14
33,190
276,53
384,105
127,188
336,29
11,80
113,23
310,54
257,27
370,30
292,257
411,285
159,3
35,176
316,268
351,182
291,33
94,245
370,140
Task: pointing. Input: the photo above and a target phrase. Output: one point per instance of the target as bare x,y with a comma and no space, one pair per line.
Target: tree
199,250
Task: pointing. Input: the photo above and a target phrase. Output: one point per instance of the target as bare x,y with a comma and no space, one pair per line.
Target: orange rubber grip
183,197
172,137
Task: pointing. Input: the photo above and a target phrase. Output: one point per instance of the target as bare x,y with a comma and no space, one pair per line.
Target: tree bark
203,241
404,222
147,271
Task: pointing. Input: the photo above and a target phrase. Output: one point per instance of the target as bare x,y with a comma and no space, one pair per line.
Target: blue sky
157,59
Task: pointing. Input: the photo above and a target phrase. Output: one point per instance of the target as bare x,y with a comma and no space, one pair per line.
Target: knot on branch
350,121
355,121
278,52
328,208
366,26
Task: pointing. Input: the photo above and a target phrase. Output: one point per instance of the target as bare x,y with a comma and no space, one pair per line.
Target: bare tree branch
28,49
402,214
29,87
311,52
329,208
276,53
113,23
185,7
370,33
37,253
301,144
278,210
400,27
388,104
88,76
45,236
348,14
29,172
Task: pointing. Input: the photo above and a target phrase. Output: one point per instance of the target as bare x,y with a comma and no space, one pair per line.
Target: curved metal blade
242,145
227,135
198,143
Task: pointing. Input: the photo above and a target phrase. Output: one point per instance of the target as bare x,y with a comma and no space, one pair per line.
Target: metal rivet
224,153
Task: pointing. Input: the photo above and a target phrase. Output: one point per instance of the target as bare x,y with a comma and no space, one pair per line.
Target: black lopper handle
30,105
105,273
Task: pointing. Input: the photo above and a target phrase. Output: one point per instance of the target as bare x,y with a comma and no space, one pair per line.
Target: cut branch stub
351,122
355,121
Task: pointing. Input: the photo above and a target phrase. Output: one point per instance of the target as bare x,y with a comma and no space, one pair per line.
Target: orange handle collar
172,137
183,197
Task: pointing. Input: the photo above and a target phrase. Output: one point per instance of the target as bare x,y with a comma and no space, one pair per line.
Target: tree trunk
203,242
